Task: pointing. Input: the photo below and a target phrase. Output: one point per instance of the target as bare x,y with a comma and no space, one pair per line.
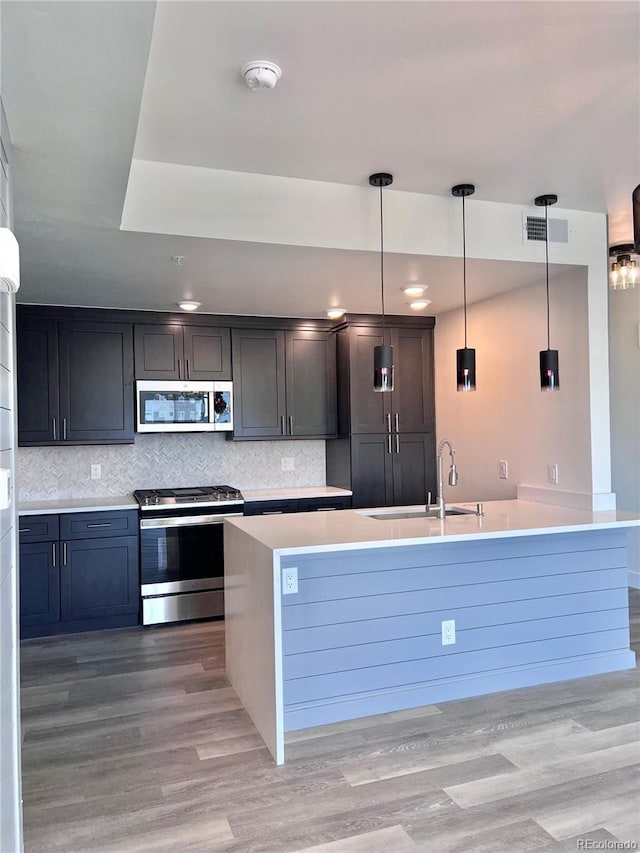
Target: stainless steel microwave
183,406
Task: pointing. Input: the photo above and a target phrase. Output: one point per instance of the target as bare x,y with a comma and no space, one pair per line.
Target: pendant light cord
464,272
546,246
382,262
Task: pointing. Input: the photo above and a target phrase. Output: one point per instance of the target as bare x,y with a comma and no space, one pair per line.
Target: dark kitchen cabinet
386,450
39,584
78,572
280,507
99,578
174,351
38,377
390,470
410,406
284,383
75,382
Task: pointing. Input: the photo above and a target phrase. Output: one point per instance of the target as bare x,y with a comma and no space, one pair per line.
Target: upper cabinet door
159,352
96,381
259,383
369,408
37,375
412,406
311,383
207,353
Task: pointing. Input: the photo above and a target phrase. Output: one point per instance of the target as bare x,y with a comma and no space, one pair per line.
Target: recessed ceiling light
188,305
419,304
414,289
334,313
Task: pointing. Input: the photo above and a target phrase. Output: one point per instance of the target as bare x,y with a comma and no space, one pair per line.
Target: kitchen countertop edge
55,507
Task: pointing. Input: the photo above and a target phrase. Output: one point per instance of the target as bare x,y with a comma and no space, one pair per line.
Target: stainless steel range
182,551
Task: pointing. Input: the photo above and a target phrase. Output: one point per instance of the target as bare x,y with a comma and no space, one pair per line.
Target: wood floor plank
134,742
533,778
394,838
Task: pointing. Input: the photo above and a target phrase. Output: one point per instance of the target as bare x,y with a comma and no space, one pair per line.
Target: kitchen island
333,616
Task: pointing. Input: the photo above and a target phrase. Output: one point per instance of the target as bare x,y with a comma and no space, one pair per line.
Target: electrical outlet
288,463
449,632
552,471
96,472
290,580
504,469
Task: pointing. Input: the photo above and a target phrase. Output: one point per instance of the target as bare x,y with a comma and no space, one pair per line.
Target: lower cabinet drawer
38,528
323,504
270,507
98,525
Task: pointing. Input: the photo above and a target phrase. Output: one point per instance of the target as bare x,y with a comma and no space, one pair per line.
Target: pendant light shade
549,370
382,355
466,357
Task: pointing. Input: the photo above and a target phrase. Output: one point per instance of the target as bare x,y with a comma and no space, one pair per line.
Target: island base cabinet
39,584
367,639
98,578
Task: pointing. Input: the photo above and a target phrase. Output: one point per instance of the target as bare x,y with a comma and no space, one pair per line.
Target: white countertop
351,529
77,505
294,493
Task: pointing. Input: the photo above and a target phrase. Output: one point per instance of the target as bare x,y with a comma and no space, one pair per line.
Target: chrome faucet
452,478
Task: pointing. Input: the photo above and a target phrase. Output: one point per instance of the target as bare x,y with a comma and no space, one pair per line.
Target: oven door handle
187,520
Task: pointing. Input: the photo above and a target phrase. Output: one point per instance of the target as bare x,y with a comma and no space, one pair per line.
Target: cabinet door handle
273,512
290,424
64,429
101,524
53,554
188,374
24,530
388,421
326,508
397,443
389,443
397,419
179,366
64,553
282,427
55,432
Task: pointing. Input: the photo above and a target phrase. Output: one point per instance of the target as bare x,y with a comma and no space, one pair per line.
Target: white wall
10,785
509,417
624,347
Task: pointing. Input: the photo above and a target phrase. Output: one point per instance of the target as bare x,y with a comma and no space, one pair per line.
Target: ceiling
517,97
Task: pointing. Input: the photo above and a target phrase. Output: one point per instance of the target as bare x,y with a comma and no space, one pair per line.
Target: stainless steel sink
419,513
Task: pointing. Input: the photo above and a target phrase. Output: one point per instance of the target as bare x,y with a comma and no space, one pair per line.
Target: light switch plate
288,463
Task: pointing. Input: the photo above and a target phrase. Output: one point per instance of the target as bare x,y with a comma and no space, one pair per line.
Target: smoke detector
260,75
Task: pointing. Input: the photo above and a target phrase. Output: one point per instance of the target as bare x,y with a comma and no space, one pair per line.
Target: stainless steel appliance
182,551
183,406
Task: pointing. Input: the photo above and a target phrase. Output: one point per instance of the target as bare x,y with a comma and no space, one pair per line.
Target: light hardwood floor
133,741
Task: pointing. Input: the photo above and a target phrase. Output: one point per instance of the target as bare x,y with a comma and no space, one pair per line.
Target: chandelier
624,272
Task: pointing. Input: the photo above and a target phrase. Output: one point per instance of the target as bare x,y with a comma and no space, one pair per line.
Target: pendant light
465,357
382,355
549,373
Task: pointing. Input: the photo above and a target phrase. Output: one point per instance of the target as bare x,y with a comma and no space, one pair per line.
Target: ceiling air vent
533,230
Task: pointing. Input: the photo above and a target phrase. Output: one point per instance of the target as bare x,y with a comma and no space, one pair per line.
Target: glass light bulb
633,273
614,275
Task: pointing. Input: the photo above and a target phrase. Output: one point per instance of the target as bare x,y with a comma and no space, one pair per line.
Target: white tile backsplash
165,461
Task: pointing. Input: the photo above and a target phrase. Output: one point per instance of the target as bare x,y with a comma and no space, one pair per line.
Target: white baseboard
634,580
599,502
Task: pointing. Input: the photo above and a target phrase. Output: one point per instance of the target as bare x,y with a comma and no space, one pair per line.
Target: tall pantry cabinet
385,452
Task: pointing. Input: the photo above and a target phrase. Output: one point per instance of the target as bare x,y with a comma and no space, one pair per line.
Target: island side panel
363,634
253,633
